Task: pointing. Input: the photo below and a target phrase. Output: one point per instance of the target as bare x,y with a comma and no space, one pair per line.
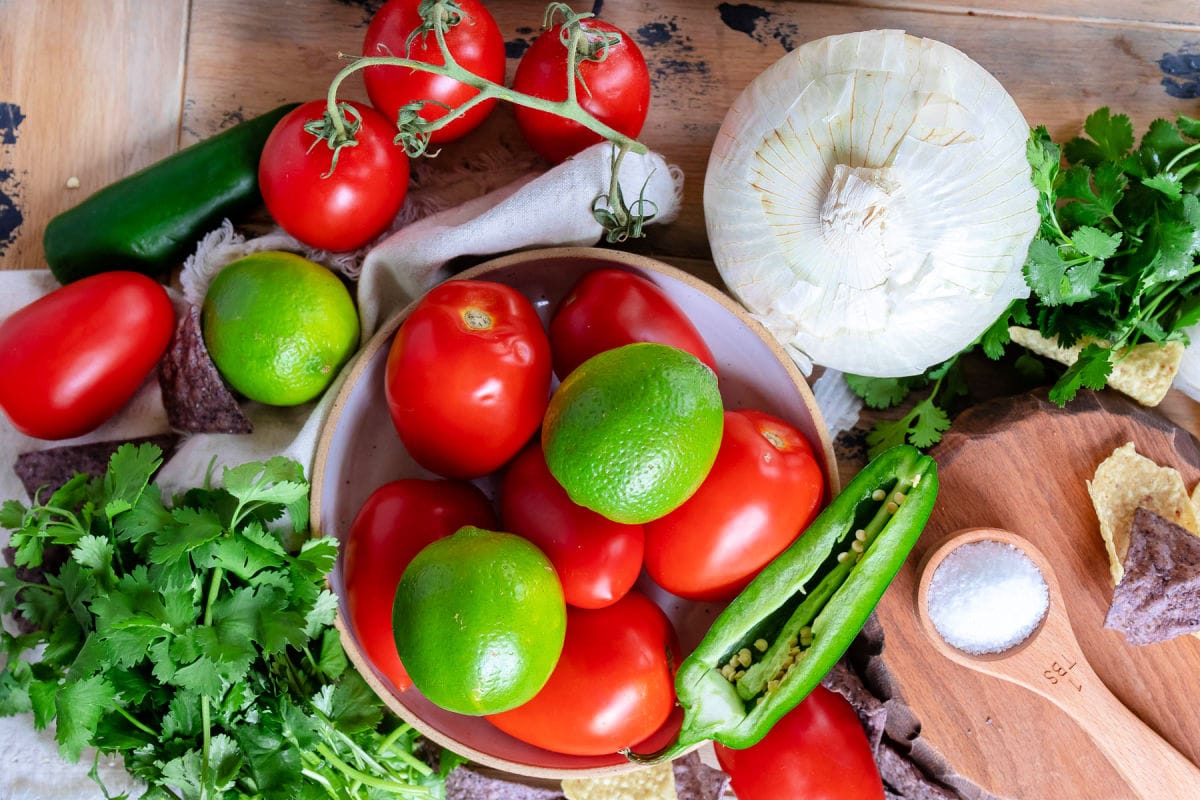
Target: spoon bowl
1050,663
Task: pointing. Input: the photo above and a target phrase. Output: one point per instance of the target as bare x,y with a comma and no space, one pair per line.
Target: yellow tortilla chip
1144,372
1126,480
652,783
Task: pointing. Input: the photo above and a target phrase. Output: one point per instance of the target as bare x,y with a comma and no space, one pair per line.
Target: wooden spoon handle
1055,668
1153,768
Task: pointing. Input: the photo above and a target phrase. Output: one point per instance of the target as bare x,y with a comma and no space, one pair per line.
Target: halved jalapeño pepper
778,638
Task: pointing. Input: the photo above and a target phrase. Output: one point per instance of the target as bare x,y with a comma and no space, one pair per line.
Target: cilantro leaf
1091,370
12,515
887,434
194,641
192,528
928,423
129,471
881,392
1094,242
79,706
995,339
1111,137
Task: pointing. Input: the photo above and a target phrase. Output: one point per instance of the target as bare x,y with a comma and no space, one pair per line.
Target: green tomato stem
567,109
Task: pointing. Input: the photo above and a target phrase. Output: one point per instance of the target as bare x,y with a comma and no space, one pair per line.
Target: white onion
868,199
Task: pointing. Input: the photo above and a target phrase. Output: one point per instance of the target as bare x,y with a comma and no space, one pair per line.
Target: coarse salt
986,597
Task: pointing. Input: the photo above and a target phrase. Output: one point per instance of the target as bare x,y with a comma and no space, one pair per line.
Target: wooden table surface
91,90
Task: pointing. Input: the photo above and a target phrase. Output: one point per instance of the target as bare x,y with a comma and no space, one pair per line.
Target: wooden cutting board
1022,464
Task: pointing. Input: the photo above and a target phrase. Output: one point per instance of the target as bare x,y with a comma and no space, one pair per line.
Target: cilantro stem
322,781
73,522
405,756
214,586
369,780
1187,151
137,723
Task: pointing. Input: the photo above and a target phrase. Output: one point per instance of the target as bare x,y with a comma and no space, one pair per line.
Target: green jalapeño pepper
150,220
775,642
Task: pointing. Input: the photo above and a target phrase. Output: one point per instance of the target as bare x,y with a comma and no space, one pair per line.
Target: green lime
479,620
279,327
633,431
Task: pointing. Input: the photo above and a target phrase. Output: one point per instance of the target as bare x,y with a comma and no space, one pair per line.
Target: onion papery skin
868,199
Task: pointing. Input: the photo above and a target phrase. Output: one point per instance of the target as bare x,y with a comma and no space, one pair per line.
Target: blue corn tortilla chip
695,780
194,394
45,471
1158,597
468,783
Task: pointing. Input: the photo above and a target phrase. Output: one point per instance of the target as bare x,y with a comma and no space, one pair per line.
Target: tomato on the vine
817,751
610,308
330,206
473,39
468,377
397,520
614,89
72,358
597,560
613,686
762,491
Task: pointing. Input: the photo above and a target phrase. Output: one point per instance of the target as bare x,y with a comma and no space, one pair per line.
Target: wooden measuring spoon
1051,663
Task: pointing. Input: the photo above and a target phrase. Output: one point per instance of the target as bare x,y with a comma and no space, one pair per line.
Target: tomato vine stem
569,108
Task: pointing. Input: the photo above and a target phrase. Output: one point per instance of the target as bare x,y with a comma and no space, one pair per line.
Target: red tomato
475,42
615,91
468,377
396,521
613,686
597,559
339,210
818,751
609,308
72,358
763,490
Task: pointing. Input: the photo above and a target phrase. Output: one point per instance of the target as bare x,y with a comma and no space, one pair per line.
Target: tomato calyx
439,16
337,128
583,44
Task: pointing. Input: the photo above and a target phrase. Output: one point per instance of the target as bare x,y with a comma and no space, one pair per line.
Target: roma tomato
396,521
473,40
597,559
818,751
763,490
614,89
330,207
72,358
468,377
610,308
613,686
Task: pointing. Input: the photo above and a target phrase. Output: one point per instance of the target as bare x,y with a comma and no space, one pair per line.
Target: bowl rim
382,338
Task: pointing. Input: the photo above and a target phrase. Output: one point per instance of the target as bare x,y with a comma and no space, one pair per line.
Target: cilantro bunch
195,640
1113,265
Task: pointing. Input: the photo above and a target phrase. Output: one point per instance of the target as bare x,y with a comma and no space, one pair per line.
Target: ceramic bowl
358,451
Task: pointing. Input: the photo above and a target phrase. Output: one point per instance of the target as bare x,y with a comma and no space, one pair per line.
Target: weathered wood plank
1126,13
246,57
91,91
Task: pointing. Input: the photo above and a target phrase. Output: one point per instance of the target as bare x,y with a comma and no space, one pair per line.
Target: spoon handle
1056,669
